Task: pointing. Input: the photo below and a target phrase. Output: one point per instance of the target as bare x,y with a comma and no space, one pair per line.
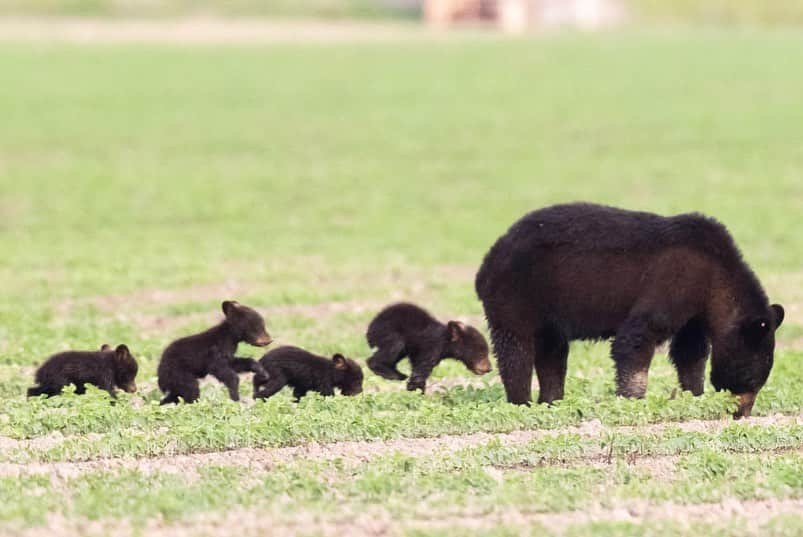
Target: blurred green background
141,184
312,172
776,12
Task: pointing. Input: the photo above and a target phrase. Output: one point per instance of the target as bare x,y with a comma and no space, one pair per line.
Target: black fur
304,372
212,353
403,330
584,271
105,369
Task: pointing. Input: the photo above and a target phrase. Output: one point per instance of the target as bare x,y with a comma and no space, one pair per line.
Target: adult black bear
404,329
105,369
304,372
584,271
212,353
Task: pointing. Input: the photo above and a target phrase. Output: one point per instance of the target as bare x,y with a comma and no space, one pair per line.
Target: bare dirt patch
753,514
202,30
750,516
148,308
258,460
152,324
145,298
135,307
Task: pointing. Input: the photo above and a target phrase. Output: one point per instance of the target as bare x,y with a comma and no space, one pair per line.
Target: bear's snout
263,340
482,367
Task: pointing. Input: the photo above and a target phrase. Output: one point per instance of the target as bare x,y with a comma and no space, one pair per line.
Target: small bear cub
406,330
106,369
304,371
212,353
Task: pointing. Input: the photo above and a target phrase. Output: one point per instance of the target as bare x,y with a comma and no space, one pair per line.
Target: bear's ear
456,330
340,361
122,352
105,347
778,312
755,331
228,307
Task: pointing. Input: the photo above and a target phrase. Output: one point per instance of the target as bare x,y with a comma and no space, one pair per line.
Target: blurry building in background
518,16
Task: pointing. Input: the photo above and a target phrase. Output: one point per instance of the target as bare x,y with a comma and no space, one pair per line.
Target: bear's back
590,227
71,364
402,318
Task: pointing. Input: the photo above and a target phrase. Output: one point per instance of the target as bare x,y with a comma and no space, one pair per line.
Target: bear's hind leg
515,358
169,399
185,387
44,389
269,387
688,351
551,354
384,360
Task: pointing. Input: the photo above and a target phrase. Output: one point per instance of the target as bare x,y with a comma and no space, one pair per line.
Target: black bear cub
304,372
105,369
403,330
212,353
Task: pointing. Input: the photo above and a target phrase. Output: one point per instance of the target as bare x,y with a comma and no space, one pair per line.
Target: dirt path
146,308
202,30
750,516
263,459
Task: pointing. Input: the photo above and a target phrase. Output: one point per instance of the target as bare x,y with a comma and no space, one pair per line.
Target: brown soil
200,30
262,460
145,307
376,521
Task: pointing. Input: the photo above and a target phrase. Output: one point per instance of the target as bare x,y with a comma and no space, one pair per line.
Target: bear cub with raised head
212,353
587,272
304,372
406,330
107,369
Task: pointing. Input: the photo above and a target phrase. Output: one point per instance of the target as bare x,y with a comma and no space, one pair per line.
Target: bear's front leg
228,376
248,365
422,367
632,351
108,387
689,351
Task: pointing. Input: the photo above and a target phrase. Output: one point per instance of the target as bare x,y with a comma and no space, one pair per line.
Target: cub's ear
340,361
456,330
105,347
778,311
755,331
228,307
122,351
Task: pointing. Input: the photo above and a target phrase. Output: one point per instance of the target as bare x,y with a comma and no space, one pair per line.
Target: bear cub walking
406,330
304,372
105,369
212,353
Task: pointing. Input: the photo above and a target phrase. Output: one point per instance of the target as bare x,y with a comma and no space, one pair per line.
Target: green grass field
141,185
